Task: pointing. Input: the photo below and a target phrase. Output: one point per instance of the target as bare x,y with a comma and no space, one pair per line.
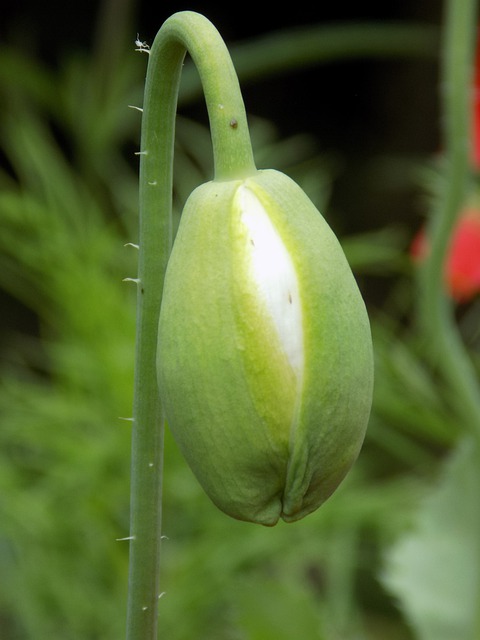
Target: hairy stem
183,32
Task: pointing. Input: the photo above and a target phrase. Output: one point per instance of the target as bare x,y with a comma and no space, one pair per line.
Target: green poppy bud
264,355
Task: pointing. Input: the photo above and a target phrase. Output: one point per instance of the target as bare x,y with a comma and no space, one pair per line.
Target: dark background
359,108
56,25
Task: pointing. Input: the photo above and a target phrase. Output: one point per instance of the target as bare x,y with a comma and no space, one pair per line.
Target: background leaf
433,569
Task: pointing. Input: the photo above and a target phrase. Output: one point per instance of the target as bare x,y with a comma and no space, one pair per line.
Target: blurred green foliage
375,562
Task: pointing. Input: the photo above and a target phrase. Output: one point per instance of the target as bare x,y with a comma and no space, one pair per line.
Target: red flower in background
462,267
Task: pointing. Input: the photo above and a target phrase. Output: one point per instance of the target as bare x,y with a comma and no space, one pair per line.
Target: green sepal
263,443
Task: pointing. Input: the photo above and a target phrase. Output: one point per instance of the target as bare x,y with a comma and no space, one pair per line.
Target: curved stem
233,158
436,311
190,32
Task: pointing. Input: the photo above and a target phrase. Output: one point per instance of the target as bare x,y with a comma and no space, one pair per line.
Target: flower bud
264,355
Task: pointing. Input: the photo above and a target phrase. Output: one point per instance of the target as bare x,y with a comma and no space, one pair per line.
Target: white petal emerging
274,274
